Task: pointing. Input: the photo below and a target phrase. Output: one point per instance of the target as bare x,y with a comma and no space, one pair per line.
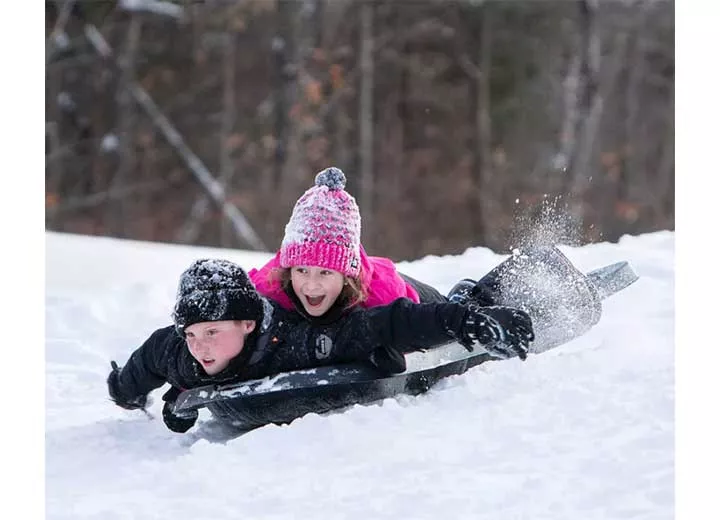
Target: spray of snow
538,272
562,302
548,224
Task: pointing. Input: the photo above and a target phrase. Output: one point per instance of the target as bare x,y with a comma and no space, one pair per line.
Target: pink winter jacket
378,277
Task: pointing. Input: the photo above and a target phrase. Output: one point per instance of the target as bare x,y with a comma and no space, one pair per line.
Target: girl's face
316,287
215,343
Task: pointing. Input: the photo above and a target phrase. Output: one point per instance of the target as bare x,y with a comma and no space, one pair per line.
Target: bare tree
283,46
58,32
126,109
479,69
366,119
427,107
214,189
227,169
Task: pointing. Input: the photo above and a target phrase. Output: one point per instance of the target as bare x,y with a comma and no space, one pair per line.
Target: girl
322,269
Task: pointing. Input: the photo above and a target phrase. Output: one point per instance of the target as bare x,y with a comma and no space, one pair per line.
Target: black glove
113,383
483,295
470,292
503,331
179,422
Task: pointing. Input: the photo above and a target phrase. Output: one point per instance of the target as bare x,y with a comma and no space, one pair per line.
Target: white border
697,206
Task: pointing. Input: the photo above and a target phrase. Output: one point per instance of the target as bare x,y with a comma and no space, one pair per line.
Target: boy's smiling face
215,343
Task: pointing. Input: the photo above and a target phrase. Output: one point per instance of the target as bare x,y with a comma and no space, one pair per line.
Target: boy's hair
353,293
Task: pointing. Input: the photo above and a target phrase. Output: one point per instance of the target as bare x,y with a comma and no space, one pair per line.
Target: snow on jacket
287,341
378,277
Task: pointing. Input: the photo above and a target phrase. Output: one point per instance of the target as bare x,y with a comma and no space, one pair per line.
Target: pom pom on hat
215,290
332,177
324,228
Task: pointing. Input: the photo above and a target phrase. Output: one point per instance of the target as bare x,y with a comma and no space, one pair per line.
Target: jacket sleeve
146,369
406,327
383,334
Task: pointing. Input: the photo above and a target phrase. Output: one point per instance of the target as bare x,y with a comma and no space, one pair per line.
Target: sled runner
563,303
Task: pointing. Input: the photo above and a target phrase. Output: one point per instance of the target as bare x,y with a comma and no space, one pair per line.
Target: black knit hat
215,290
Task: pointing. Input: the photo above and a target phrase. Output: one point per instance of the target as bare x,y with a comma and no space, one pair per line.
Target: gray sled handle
612,278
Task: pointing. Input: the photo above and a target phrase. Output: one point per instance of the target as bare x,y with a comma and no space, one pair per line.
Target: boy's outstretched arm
129,385
116,396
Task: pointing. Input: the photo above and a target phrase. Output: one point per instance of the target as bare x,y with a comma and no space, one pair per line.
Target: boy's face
215,343
316,287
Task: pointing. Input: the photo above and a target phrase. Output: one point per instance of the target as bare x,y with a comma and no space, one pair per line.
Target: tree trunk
53,185
366,120
63,16
318,24
591,101
482,163
127,111
284,51
227,169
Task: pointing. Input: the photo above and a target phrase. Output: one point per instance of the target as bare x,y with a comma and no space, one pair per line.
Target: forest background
458,123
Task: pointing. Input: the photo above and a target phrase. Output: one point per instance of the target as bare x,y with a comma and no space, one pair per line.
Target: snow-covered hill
582,431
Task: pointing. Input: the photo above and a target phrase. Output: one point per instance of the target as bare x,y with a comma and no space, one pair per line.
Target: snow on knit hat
215,290
324,228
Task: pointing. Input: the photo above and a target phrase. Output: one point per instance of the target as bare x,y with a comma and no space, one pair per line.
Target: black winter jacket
287,340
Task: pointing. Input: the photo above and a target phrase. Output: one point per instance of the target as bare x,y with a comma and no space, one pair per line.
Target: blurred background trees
454,121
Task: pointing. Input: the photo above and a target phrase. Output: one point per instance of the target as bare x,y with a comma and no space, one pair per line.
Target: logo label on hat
323,346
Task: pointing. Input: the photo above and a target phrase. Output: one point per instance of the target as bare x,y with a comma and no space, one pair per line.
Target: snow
582,431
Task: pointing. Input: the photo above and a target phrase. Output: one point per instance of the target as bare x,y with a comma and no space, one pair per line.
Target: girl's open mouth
314,301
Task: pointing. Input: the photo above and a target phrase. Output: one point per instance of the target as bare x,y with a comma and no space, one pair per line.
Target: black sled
563,303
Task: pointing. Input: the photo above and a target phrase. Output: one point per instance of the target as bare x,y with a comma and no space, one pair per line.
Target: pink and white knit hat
324,228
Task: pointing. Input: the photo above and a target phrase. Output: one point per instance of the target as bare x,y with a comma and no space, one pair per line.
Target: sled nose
612,278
